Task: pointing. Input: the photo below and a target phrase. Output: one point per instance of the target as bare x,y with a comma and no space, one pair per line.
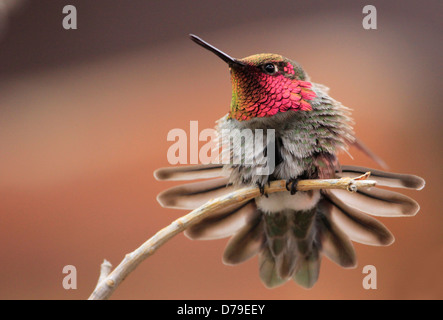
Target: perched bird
290,231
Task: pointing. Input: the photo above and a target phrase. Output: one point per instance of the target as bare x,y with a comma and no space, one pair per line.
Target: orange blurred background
84,116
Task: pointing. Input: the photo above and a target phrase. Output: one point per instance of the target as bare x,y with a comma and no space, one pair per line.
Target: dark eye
270,68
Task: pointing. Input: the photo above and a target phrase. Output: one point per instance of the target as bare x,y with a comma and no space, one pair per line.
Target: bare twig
109,282
105,270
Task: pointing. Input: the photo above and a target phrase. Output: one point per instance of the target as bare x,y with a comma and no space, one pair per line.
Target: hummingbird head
264,84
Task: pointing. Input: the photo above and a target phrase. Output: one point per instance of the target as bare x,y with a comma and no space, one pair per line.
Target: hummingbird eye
270,68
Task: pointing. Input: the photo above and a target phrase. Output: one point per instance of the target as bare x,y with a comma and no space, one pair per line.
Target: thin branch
107,284
105,270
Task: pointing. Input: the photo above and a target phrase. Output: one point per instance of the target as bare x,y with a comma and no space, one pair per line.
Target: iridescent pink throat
256,94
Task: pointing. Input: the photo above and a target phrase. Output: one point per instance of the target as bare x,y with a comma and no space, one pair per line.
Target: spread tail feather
268,270
223,223
295,242
192,195
383,178
290,243
358,226
200,171
309,270
246,243
291,249
334,243
377,202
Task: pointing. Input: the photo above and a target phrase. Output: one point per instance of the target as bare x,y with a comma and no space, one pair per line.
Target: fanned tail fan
290,244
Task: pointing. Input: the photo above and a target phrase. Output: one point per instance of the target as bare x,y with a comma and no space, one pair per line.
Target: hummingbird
289,231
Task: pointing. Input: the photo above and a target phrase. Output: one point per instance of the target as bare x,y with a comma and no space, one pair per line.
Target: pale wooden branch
109,282
105,270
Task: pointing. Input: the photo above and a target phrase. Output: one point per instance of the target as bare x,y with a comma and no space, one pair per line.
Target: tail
291,248
290,244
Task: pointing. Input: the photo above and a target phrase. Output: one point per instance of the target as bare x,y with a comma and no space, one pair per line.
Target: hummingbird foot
291,185
262,189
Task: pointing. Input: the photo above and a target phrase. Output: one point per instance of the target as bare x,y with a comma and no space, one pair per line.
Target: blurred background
84,116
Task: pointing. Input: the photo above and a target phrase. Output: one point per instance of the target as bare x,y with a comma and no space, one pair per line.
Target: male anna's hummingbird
290,231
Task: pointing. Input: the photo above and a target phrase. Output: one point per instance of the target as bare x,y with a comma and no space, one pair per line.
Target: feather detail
289,239
192,195
280,242
335,244
223,223
287,262
378,202
309,270
358,226
388,179
204,171
246,243
268,270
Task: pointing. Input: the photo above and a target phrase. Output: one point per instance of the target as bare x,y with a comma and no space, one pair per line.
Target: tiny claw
293,188
262,189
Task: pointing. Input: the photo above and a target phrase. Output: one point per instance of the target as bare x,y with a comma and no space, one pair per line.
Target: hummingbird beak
226,58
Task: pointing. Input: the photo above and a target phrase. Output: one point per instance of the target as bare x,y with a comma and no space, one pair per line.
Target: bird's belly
279,201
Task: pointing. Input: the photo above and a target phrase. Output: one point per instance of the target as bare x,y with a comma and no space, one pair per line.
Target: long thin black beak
228,59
